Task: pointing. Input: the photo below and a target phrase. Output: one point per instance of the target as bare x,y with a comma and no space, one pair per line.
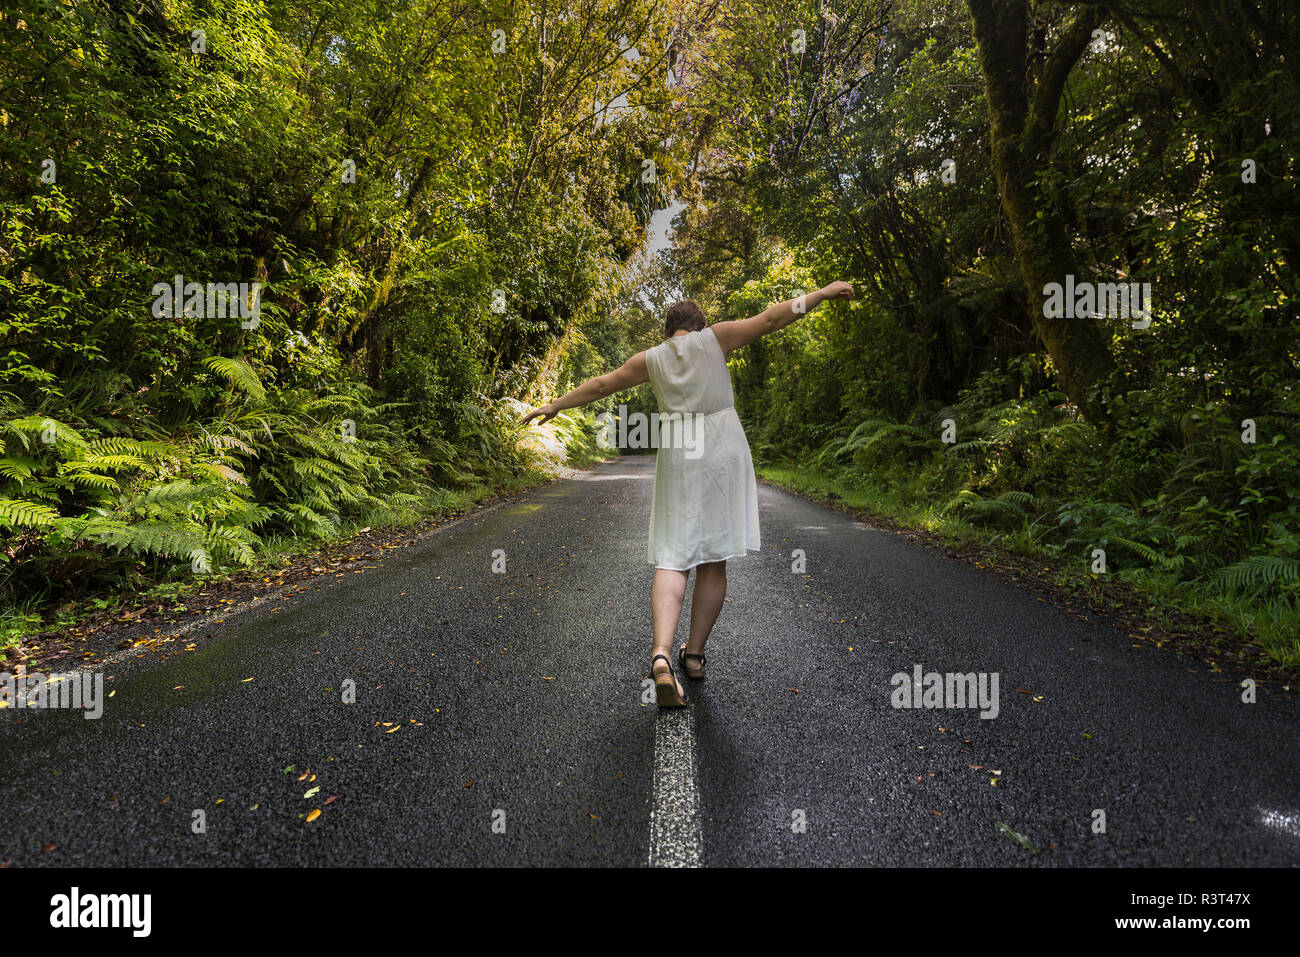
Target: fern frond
111,462
222,443
93,480
43,425
234,543
17,469
238,374
164,540
1150,554
223,472
26,514
1260,571
120,445
1018,496
180,492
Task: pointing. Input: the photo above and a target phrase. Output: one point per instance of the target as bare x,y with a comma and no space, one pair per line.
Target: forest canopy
1072,227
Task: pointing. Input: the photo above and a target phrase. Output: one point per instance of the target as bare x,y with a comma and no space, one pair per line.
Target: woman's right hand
542,415
838,290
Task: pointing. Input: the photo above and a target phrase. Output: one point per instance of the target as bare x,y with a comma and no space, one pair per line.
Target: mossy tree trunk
1023,107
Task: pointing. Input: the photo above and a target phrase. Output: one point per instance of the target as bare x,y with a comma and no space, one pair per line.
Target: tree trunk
1022,135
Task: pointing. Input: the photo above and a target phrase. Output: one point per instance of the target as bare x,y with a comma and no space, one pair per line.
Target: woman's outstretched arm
630,373
741,332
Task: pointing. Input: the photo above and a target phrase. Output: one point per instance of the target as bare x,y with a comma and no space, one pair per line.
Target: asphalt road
500,719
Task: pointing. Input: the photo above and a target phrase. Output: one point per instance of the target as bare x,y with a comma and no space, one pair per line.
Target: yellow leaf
313,815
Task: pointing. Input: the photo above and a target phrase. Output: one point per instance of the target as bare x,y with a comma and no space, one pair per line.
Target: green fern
1019,497
235,544
17,469
42,425
1159,559
120,445
164,540
1259,572
239,374
223,472
93,480
26,514
110,462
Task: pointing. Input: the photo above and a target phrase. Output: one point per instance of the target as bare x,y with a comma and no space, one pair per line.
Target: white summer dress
705,506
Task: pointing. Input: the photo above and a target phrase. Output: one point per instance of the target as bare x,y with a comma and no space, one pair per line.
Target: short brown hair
686,314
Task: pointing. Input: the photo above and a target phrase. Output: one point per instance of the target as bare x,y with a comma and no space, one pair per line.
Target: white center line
674,803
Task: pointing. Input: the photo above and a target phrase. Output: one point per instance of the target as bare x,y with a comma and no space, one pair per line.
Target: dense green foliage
830,164
446,221
386,176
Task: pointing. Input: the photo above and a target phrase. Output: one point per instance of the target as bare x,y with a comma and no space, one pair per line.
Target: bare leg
666,597
706,603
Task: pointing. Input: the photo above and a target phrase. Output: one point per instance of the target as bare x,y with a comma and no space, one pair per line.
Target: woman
705,505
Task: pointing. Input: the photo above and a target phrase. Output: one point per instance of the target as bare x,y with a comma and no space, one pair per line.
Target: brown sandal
683,654
666,685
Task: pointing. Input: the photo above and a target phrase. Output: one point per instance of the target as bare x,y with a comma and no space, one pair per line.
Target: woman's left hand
543,415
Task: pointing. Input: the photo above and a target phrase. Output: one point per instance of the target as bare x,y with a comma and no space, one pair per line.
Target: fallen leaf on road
312,793
331,799
1016,836
313,815
50,847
